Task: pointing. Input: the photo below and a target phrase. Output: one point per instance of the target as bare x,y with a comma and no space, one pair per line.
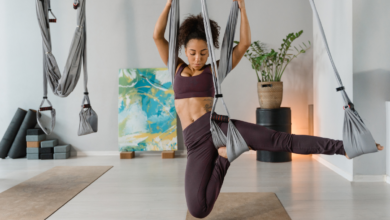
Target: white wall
371,76
120,36
336,17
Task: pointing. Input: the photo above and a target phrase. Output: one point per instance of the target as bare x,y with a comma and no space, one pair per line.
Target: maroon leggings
206,170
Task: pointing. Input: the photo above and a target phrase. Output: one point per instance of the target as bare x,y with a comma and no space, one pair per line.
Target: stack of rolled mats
38,147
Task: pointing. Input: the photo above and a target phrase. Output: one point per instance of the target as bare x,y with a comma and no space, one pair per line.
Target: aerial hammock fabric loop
357,139
234,142
63,85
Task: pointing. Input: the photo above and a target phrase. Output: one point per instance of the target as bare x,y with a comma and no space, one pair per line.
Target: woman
194,94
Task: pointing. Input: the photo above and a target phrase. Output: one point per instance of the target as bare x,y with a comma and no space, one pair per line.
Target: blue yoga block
32,156
59,156
33,150
49,143
40,137
62,148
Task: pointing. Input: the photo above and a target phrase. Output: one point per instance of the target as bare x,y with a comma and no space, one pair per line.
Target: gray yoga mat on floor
248,206
18,148
10,133
39,197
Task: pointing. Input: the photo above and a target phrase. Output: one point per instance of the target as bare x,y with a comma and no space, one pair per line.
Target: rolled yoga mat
18,148
10,133
248,206
42,195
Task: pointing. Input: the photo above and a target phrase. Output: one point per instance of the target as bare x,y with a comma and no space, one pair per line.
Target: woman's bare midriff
190,109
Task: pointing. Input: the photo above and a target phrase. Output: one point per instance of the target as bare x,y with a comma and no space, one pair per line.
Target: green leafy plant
270,63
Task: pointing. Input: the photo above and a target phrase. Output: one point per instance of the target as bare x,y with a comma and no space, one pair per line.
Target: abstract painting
146,110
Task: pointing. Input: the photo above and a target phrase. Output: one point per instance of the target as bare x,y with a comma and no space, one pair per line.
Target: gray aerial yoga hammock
63,85
357,139
234,142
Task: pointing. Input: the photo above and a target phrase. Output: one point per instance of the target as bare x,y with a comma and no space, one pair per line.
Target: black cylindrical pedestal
279,120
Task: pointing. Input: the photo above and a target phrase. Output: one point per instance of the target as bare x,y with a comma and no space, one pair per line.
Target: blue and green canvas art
147,115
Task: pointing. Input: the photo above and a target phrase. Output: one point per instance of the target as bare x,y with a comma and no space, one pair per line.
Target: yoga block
35,131
46,150
33,144
127,155
33,150
40,137
46,156
62,148
167,154
32,156
60,156
49,143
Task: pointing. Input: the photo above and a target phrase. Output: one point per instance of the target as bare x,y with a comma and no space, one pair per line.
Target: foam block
32,156
59,156
49,143
40,137
33,144
46,150
62,148
35,131
32,150
167,154
47,156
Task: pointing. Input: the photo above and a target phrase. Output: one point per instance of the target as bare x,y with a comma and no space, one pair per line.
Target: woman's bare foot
222,152
377,146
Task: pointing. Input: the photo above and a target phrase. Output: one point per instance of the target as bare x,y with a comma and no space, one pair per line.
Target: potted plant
271,65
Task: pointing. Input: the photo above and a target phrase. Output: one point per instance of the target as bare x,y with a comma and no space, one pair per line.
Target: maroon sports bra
196,86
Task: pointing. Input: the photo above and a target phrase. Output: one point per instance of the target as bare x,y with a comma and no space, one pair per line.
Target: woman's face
197,53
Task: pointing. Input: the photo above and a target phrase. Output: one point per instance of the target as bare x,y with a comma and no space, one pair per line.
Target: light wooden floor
152,188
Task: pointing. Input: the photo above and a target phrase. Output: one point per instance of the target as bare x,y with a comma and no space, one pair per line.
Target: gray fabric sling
357,139
63,85
234,142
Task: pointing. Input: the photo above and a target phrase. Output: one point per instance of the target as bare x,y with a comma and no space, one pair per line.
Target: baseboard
369,178
388,179
339,171
116,153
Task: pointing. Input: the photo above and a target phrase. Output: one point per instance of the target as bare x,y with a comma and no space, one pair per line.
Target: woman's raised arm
245,36
159,31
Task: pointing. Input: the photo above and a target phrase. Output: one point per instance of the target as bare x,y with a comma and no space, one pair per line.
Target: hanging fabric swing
234,142
357,139
63,85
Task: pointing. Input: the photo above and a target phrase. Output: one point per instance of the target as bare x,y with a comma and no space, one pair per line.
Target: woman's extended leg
204,176
261,138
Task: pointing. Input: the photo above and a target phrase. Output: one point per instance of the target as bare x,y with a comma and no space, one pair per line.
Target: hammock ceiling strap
357,139
63,85
234,142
